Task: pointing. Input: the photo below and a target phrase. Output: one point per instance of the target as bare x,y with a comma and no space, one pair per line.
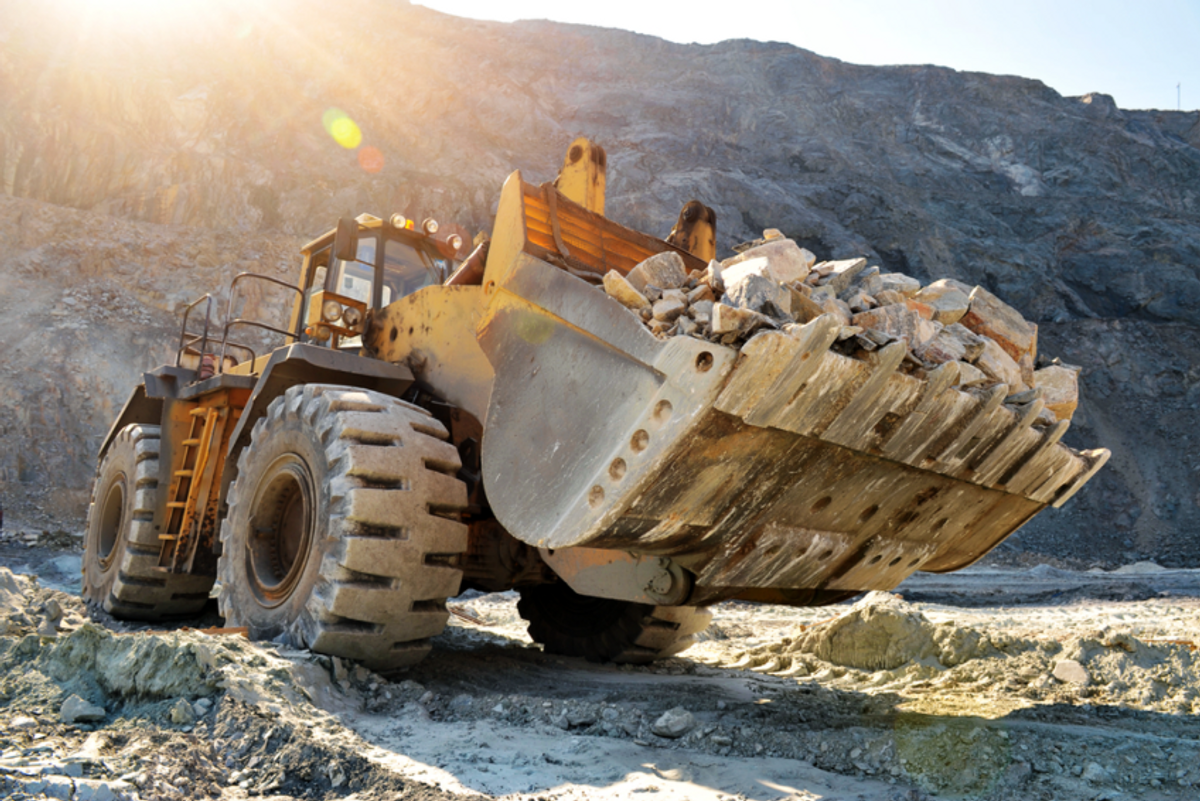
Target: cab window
407,269
354,279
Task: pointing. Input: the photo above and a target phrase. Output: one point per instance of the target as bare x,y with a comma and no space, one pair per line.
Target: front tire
121,549
343,529
607,630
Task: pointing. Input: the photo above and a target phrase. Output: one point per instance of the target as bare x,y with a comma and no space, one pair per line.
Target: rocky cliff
144,162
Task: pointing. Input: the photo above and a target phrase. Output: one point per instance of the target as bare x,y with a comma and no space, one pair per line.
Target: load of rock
774,284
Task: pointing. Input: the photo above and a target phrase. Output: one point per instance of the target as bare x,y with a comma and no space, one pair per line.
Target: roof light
430,226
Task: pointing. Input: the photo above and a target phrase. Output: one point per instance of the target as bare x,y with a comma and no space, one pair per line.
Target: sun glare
141,15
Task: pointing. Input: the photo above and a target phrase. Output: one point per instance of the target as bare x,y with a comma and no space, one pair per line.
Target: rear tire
343,528
121,549
607,630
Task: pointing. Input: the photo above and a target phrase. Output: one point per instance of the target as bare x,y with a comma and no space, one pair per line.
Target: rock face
134,178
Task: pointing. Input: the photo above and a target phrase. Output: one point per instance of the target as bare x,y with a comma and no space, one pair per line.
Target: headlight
455,241
351,317
399,221
331,311
430,226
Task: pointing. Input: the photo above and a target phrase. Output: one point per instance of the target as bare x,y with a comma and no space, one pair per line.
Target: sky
1138,51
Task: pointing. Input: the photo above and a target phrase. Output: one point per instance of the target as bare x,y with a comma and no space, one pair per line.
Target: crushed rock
94,714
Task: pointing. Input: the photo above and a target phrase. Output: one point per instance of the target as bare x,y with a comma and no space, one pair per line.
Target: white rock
757,292
77,710
182,713
674,723
668,310
839,274
663,270
624,292
1071,672
782,260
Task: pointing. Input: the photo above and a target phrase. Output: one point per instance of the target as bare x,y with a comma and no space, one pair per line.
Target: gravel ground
988,683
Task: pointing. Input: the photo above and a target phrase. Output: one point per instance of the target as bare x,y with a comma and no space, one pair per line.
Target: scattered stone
993,318
1094,772
952,343
839,308
998,365
898,322
77,710
804,308
713,276
663,270
701,293
779,259
1060,389
756,292
969,375
858,300
22,722
99,790
948,298
839,274
1021,398
579,718
668,310
1071,672
674,723
894,282
182,713
54,610
729,320
624,292
848,331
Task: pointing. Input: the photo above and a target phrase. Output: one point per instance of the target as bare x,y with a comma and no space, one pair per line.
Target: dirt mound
171,714
883,632
880,631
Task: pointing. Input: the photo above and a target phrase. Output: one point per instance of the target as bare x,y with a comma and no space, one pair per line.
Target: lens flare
370,159
343,129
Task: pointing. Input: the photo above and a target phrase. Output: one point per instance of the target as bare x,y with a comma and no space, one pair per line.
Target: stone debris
1060,389
948,298
619,287
774,284
674,723
77,710
1071,672
182,713
663,270
995,319
999,366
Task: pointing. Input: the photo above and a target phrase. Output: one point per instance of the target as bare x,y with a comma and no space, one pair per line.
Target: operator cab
365,265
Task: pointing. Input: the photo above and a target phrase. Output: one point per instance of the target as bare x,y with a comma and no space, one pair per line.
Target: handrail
230,322
202,338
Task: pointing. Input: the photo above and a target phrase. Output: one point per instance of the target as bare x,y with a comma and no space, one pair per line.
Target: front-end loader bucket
783,466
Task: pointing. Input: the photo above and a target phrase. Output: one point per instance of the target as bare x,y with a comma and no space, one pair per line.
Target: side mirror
345,241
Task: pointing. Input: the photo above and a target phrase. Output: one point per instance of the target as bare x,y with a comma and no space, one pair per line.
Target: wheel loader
430,424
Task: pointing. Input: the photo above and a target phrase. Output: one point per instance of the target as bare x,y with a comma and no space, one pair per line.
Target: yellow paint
582,178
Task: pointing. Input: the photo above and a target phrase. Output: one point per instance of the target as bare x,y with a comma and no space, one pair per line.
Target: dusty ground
947,689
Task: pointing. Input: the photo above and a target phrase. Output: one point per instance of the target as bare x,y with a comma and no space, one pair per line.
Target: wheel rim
281,528
108,532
